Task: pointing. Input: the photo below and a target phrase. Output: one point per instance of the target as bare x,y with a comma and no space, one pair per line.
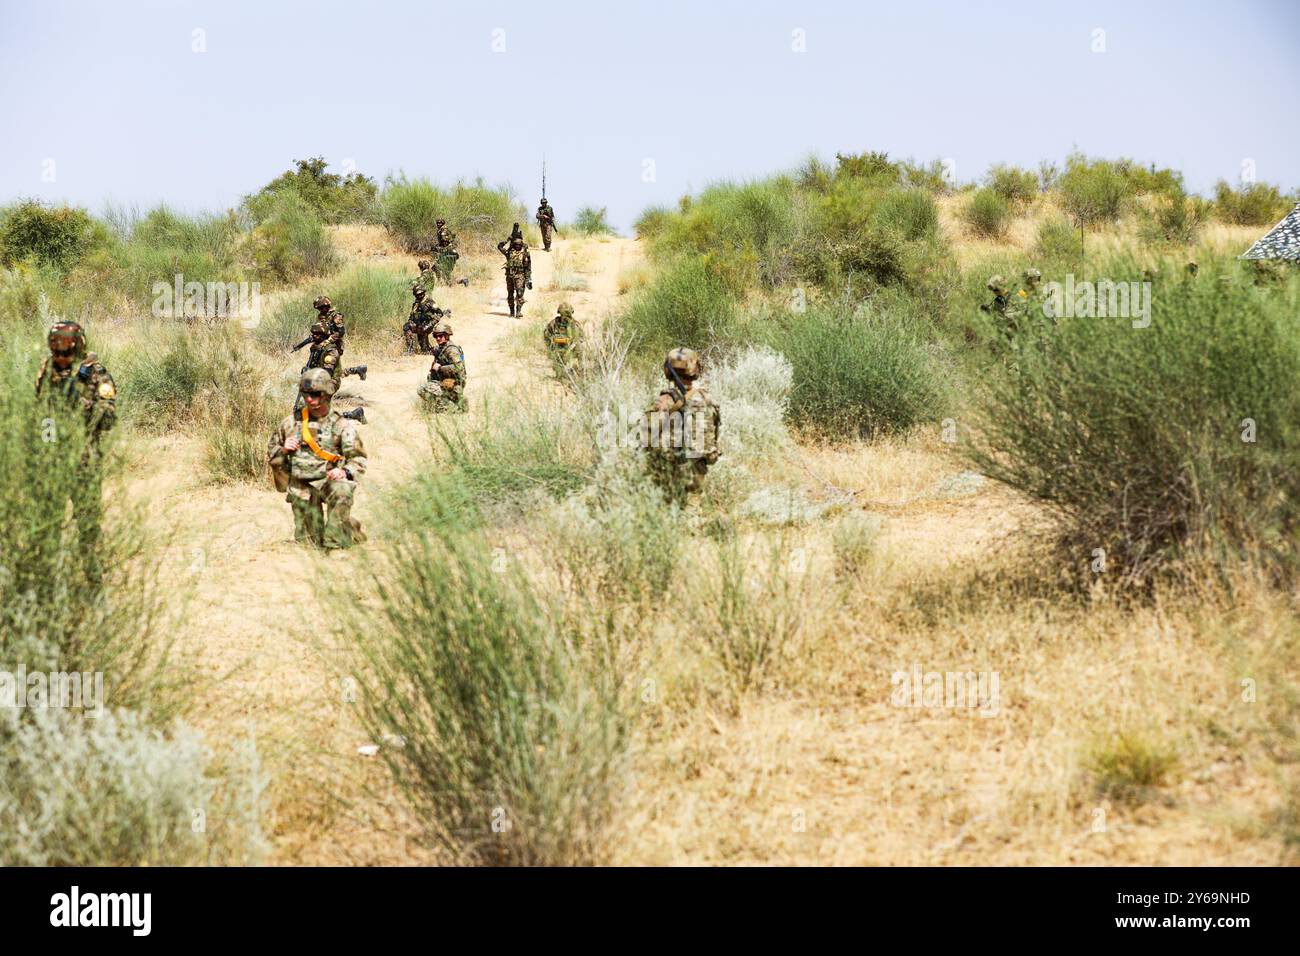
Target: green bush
651,223
685,304
1134,436
334,198
591,222
290,241
1175,220
1012,183
374,304
1057,241
909,213
52,236
479,214
860,374
1258,204
874,166
987,214
114,791
508,713
1093,192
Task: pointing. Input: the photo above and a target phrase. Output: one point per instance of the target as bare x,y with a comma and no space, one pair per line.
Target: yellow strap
317,450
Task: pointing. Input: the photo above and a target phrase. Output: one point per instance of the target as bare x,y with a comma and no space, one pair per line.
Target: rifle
305,341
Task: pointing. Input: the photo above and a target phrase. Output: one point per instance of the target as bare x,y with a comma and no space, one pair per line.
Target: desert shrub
753,386
987,214
651,222
479,214
1129,768
55,236
1093,192
591,221
290,240
374,304
1057,241
237,411
909,213
853,542
1012,183
932,176
1256,204
509,712
334,198
874,166
1152,442
114,791
685,304
80,585
1048,174
860,373
1176,220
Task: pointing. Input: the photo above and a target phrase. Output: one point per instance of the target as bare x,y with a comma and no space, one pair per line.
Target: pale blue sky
114,94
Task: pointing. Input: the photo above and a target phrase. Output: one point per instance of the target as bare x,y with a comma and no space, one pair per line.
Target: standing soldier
316,457
444,390
424,316
86,385
519,270
445,251
680,430
546,220
325,355
428,276
561,333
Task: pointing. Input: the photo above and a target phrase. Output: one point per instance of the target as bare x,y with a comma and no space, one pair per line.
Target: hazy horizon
199,104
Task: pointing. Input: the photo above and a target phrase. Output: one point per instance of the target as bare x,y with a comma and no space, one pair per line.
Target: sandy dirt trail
245,623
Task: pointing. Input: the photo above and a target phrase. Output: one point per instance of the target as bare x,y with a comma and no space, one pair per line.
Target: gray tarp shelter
1280,242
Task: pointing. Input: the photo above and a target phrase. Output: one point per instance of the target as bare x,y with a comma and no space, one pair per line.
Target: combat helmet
1032,275
317,381
66,332
565,310
440,222
685,362
322,302
319,330
441,328
997,284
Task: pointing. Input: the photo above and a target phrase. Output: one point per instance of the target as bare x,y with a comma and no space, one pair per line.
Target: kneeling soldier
445,389
680,430
317,458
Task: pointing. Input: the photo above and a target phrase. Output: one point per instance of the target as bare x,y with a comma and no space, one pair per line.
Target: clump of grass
987,214
374,304
853,541
1194,417
1174,220
909,213
590,221
1057,241
684,305
289,240
754,386
114,791
509,715
479,214
860,372
1012,183
1130,768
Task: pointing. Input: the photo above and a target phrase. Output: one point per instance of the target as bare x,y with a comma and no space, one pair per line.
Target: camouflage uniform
322,506
546,220
428,276
445,250
1002,307
424,316
332,320
326,354
561,333
444,390
679,432
519,271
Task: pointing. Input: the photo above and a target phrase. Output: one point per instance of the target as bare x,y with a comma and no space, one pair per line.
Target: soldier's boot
357,415
358,370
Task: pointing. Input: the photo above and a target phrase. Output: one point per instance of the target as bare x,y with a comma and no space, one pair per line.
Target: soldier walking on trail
316,458
325,355
77,375
561,333
444,391
519,270
445,254
679,432
546,221
424,316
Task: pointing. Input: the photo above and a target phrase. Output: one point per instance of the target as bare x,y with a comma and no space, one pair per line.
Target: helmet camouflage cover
1033,274
684,362
440,222
441,328
317,381
322,302
318,330
62,333
566,310
996,284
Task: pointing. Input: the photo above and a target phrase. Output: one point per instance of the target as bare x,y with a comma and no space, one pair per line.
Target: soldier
424,316
561,333
444,390
316,457
428,276
332,319
1001,306
546,220
325,354
680,430
1033,278
1192,269
86,385
519,270
445,250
